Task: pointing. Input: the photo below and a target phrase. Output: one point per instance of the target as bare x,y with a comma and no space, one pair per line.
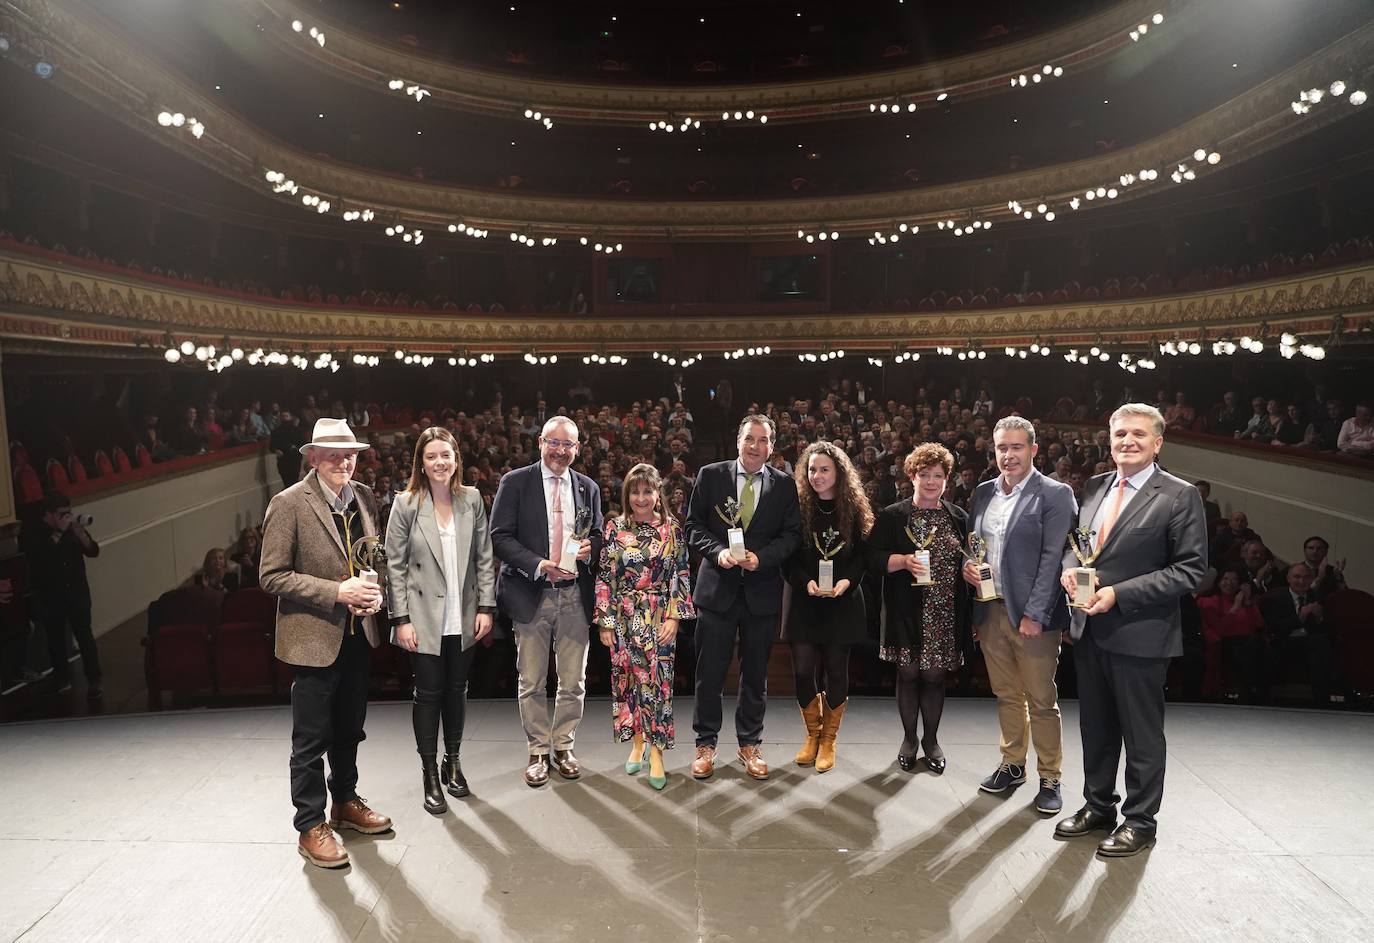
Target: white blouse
448,541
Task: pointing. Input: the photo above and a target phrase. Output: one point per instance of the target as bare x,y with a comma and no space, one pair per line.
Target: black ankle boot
452,773
435,803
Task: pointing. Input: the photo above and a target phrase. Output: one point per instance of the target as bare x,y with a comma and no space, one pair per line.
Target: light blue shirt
996,518
1133,486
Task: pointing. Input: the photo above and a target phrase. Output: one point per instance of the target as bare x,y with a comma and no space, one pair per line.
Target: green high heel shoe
634,766
658,782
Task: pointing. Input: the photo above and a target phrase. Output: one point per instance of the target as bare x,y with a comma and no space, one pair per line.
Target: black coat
903,604
824,620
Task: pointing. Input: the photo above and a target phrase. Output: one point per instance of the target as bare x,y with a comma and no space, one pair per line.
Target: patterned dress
922,625
643,579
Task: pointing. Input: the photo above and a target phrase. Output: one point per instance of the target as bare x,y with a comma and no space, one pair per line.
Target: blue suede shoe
1048,800
1003,778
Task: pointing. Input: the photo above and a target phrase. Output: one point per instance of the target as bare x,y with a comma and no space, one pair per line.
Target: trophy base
992,598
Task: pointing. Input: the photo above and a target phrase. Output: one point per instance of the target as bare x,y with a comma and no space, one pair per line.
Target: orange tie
1113,512
556,526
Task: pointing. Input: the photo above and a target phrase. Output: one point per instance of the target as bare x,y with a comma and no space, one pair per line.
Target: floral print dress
643,579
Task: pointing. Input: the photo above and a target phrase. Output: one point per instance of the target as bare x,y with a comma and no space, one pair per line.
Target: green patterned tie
746,505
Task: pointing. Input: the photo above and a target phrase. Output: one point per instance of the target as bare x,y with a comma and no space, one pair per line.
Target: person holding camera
57,545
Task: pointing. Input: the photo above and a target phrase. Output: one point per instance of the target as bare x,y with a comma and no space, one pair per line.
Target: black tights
821,668
921,692
441,685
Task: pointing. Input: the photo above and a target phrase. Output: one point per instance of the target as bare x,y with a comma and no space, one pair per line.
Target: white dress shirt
997,518
453,597
1133,486
739,484
564,483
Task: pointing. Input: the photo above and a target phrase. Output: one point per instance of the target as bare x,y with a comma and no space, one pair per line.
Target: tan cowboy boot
811,717
830,727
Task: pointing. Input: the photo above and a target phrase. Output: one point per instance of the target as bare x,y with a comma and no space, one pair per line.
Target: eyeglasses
560,443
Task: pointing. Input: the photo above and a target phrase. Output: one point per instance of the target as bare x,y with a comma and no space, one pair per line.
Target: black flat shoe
906,762
1126,841
1084,822
936,764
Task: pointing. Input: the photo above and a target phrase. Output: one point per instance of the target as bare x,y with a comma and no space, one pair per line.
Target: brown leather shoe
322,848
567,765
754,763
356,815
537,773
705,763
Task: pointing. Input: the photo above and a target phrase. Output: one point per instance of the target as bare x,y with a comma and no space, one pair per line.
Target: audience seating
177,652
242,642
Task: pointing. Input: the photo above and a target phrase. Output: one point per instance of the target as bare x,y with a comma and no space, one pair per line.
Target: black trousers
57,619
441,689
1121,701
716,634
328,710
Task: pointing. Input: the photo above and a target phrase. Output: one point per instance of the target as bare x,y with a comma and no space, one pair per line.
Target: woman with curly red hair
822,624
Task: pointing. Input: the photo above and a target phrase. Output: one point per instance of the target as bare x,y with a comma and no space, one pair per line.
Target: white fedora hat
333,434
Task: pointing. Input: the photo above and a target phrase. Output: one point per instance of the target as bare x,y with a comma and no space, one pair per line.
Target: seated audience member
248,558
215,572
1260,567
1212,509
1299,632
1357,433
1328,576
1228,419
1324,432
1258,426
1232,635
1290,428
188,438
1229,540
1180,415
159,450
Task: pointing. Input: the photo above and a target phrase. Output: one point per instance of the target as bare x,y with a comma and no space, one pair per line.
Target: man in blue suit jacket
546,603
1151,537
739,598
1025,519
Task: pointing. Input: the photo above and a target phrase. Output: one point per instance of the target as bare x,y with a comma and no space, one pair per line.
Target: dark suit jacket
774,533
1281,616
1155,554
1032,550
520,537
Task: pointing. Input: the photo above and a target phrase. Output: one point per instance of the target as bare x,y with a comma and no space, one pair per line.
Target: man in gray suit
325,631
1151,537
1024,518
537,510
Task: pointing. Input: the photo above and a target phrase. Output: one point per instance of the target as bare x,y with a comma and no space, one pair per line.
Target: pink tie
556,529
1113,512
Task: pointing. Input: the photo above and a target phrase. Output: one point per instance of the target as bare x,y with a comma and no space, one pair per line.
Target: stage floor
178,827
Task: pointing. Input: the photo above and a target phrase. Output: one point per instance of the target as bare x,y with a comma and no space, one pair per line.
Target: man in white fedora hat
325,627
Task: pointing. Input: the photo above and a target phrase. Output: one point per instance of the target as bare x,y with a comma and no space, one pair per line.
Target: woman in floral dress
643,591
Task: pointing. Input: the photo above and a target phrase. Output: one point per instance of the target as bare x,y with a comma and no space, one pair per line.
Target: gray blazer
1156,554
415,567
1032,550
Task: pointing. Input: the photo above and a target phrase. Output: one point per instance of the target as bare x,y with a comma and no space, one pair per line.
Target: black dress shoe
906,761
567,765
935,762
451,773
1126,841
1084,822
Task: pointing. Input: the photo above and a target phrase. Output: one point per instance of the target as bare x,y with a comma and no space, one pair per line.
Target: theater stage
177,826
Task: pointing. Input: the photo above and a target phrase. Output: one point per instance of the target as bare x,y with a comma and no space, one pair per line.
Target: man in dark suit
325,631
1151,538
538,509
1296,623
1024,518
739,598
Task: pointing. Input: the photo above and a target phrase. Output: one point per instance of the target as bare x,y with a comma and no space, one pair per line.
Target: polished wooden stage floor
177,826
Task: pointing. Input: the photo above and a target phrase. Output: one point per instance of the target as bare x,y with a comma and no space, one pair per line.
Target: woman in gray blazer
443,599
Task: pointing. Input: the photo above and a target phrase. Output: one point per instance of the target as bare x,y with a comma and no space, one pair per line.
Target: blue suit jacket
1032,550
520,538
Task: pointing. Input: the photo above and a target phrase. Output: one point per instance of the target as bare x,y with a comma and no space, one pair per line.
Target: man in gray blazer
1024,518
325,630
537,509
1150,532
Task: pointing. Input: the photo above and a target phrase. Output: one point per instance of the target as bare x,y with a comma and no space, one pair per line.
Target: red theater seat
177,654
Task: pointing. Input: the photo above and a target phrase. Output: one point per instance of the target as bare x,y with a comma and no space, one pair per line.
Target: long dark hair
852,510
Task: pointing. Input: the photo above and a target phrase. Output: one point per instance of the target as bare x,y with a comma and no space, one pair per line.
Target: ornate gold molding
46,301
96,65
358,58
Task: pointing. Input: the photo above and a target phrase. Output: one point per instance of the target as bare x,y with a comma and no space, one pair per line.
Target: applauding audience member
1299,632
1357,433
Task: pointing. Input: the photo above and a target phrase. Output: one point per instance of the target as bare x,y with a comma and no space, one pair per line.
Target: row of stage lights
823,357
673,361
1046,72
1144,28
895,107
412,90
315,33
525,240
175,119
539,118
688,124
743,352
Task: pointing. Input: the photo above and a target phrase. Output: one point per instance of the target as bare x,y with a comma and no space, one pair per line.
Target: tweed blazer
415,567
303,563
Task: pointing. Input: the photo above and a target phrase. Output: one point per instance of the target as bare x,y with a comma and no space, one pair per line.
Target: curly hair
853,512
924,456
